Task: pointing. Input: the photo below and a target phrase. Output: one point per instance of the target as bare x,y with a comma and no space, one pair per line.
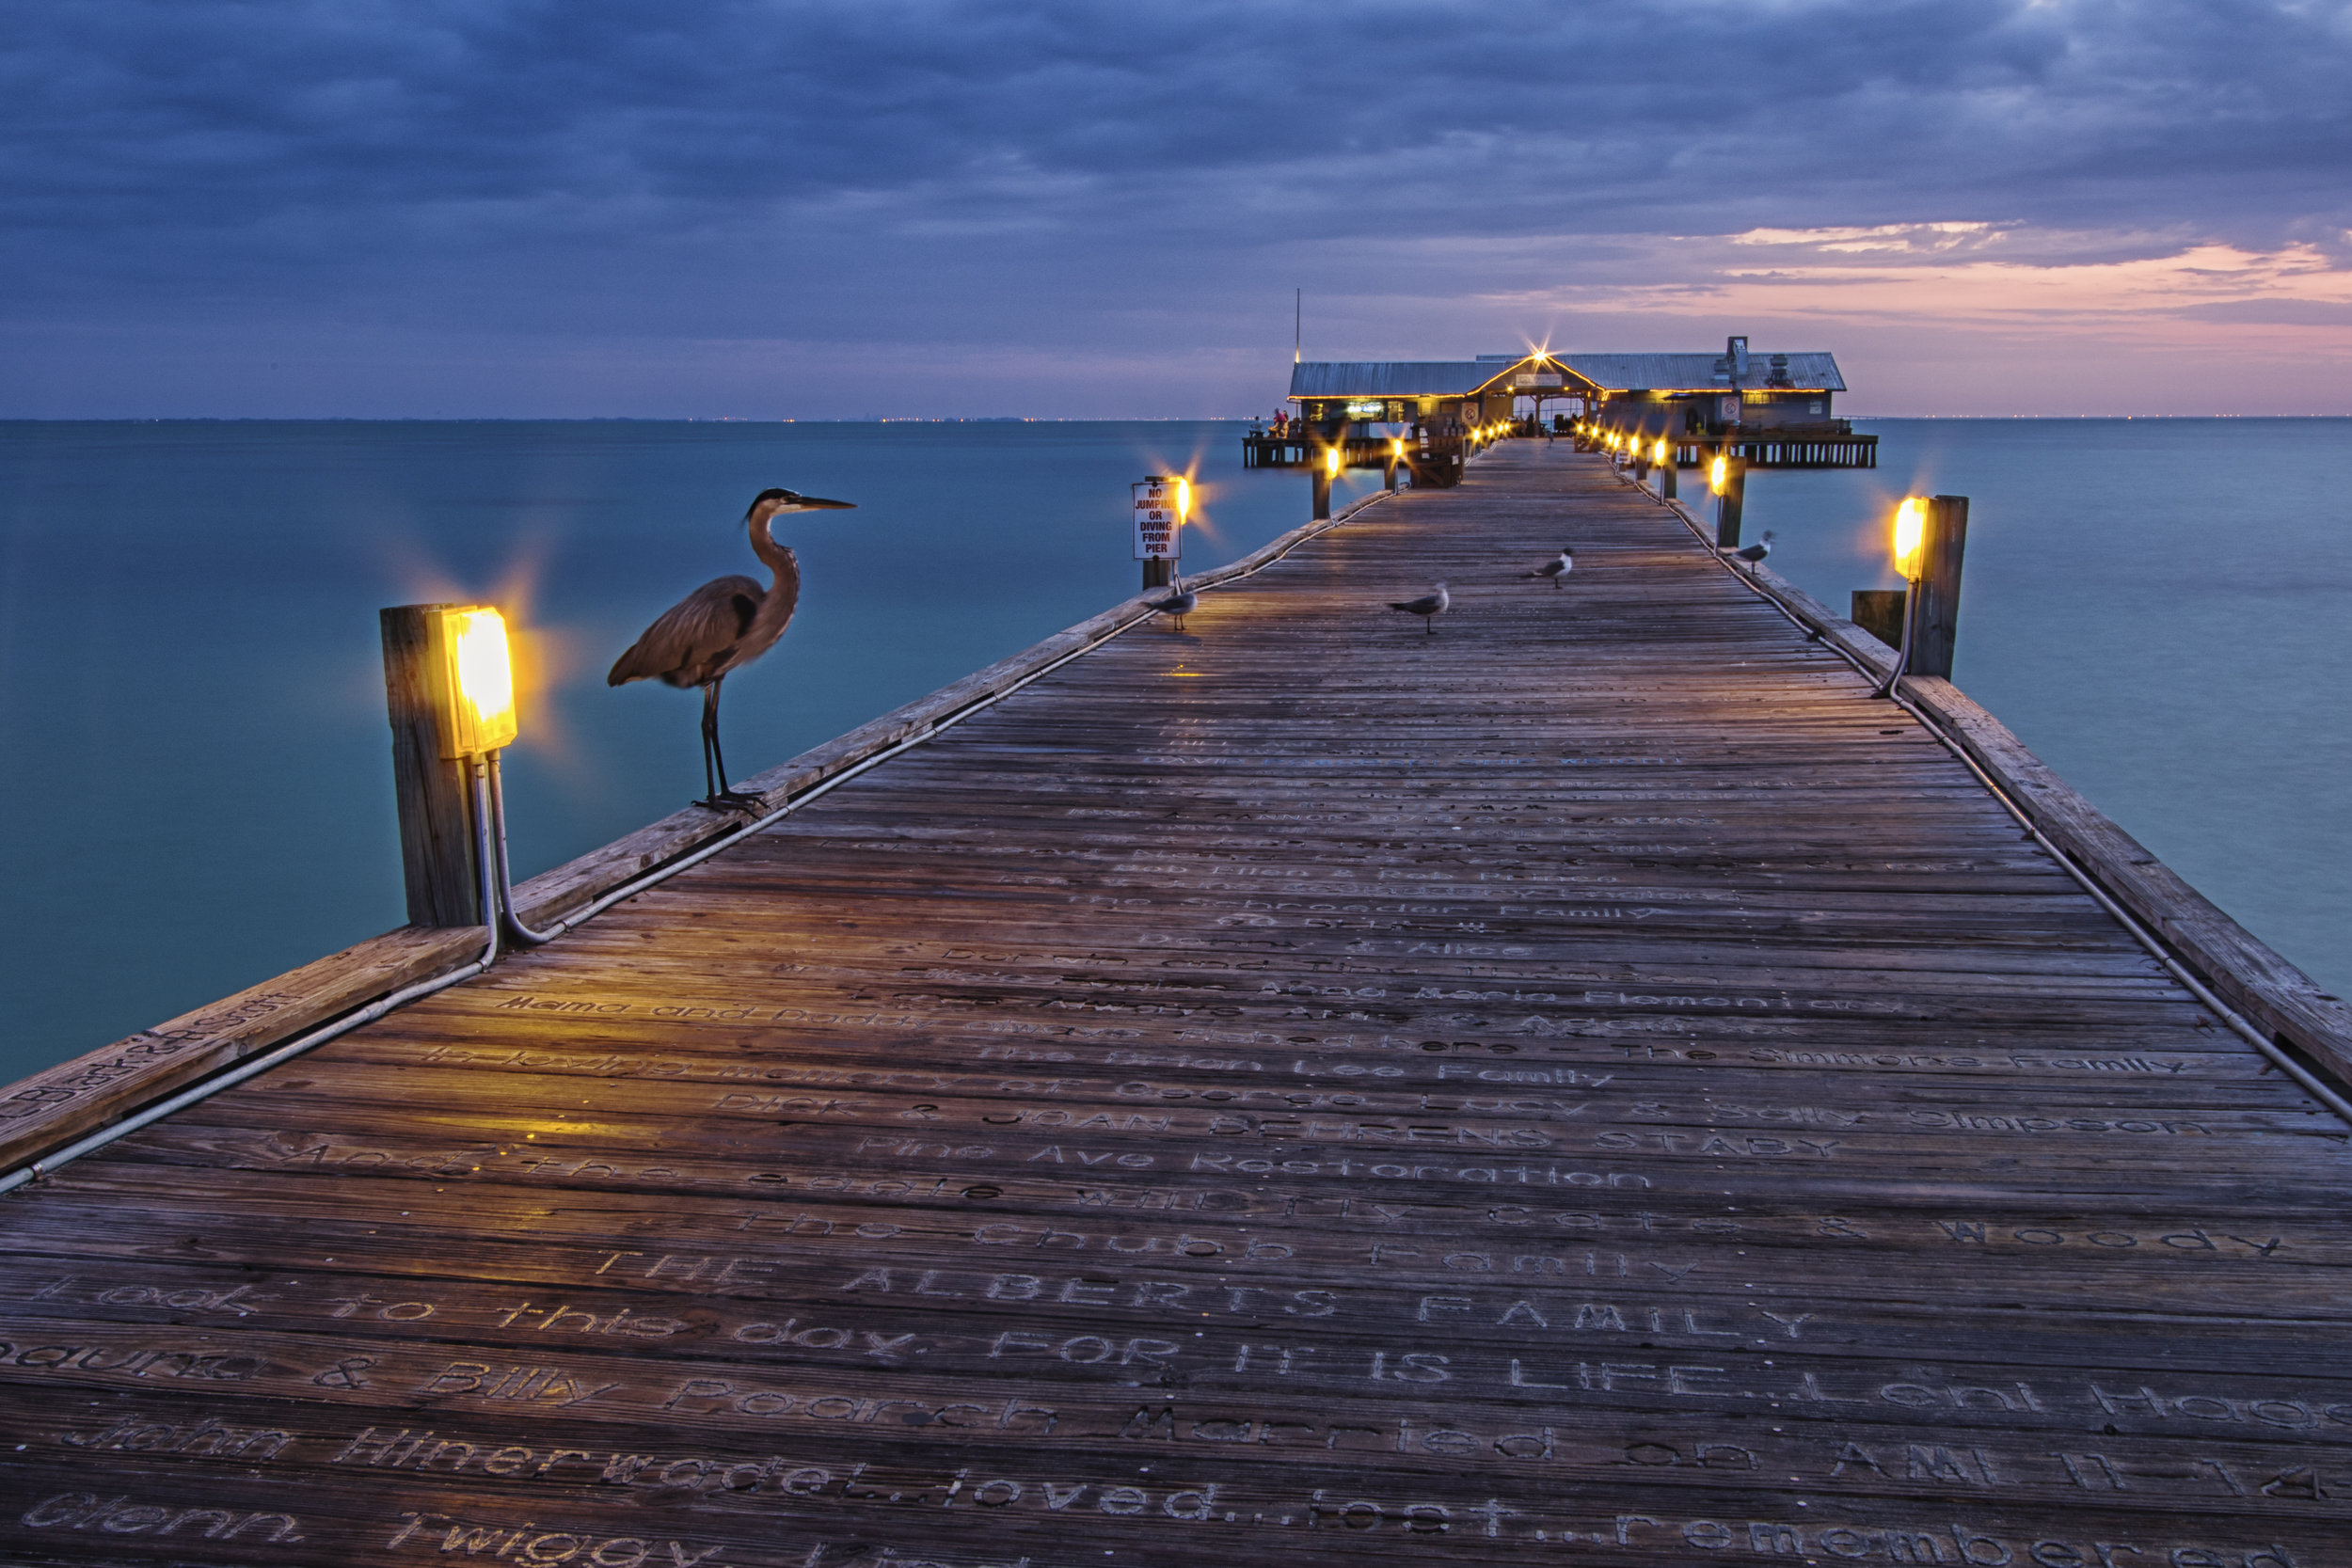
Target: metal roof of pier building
1810,371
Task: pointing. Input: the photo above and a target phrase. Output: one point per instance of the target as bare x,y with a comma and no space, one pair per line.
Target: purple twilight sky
762,209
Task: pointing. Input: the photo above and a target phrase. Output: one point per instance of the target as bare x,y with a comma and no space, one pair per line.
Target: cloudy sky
1061,208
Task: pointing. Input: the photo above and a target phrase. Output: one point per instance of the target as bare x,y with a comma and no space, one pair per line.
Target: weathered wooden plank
79,1097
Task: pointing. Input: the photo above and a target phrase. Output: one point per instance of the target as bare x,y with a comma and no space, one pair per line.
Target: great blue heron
1557,567
1428,606
719,628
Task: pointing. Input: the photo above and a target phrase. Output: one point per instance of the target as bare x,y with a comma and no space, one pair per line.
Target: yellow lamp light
1183,500
1396,446
1718,473
1909,528
1659,455
473,679
1332,461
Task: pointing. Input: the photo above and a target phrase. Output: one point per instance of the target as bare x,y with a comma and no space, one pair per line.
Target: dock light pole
1929,542
1327,469
1935,629
1160,504
1909,523
1728,478
449,688
1665,460
1396,456
1930,536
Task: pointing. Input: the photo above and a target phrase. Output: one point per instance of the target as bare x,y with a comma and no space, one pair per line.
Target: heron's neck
779,560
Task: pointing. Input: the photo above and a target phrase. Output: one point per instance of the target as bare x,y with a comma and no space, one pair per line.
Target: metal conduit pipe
2303,1076
498,892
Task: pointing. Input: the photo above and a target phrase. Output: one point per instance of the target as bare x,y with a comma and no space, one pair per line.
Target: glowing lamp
1396,446
1183,500
1659,454
1332,461
473,680
1717,473
1910,525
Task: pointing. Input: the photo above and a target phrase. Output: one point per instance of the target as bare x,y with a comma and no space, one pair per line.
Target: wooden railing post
1935,630
436,836
1879,613
1317,455
1732,503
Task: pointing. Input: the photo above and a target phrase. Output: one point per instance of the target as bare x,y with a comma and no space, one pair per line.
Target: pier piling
438,857
1731,501
1943,541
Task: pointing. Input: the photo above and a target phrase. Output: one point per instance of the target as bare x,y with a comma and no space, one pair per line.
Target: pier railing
2311,1025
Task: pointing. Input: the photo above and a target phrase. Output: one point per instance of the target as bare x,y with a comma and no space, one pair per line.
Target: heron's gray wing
691,639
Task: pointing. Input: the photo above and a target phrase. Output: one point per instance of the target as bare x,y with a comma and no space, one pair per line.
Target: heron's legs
715,761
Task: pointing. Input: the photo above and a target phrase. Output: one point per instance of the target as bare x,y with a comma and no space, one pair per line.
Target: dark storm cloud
727,167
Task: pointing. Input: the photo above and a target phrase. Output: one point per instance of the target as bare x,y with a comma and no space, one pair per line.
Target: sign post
1159,503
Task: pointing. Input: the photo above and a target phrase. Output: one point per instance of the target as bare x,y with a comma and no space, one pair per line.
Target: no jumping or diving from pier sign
1159,512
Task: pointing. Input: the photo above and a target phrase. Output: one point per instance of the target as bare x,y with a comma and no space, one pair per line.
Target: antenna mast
1299,314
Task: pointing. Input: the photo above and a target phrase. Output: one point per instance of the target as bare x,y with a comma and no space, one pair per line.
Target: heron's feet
735,800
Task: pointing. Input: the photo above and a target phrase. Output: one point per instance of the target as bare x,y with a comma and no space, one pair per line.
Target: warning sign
1159,512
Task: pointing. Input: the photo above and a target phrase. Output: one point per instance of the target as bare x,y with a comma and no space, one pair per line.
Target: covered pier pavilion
1775,409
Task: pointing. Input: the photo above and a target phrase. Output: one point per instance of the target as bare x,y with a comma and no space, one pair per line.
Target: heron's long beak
817,503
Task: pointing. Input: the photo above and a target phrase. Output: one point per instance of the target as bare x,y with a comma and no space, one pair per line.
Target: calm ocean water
192,759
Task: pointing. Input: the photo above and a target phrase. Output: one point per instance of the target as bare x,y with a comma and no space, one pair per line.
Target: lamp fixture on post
450,691
473,679
1325,470
1730,476
1909,534
1663,459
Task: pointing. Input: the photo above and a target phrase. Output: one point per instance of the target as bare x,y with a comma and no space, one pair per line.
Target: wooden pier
1795,447
1588,1085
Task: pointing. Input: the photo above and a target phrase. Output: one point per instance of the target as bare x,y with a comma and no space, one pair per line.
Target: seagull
1179,604
1754,553
1428,606
723,625
1558,567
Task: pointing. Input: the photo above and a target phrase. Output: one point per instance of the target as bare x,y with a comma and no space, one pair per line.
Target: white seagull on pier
1179,604
1428,606
1755,553
1558,567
